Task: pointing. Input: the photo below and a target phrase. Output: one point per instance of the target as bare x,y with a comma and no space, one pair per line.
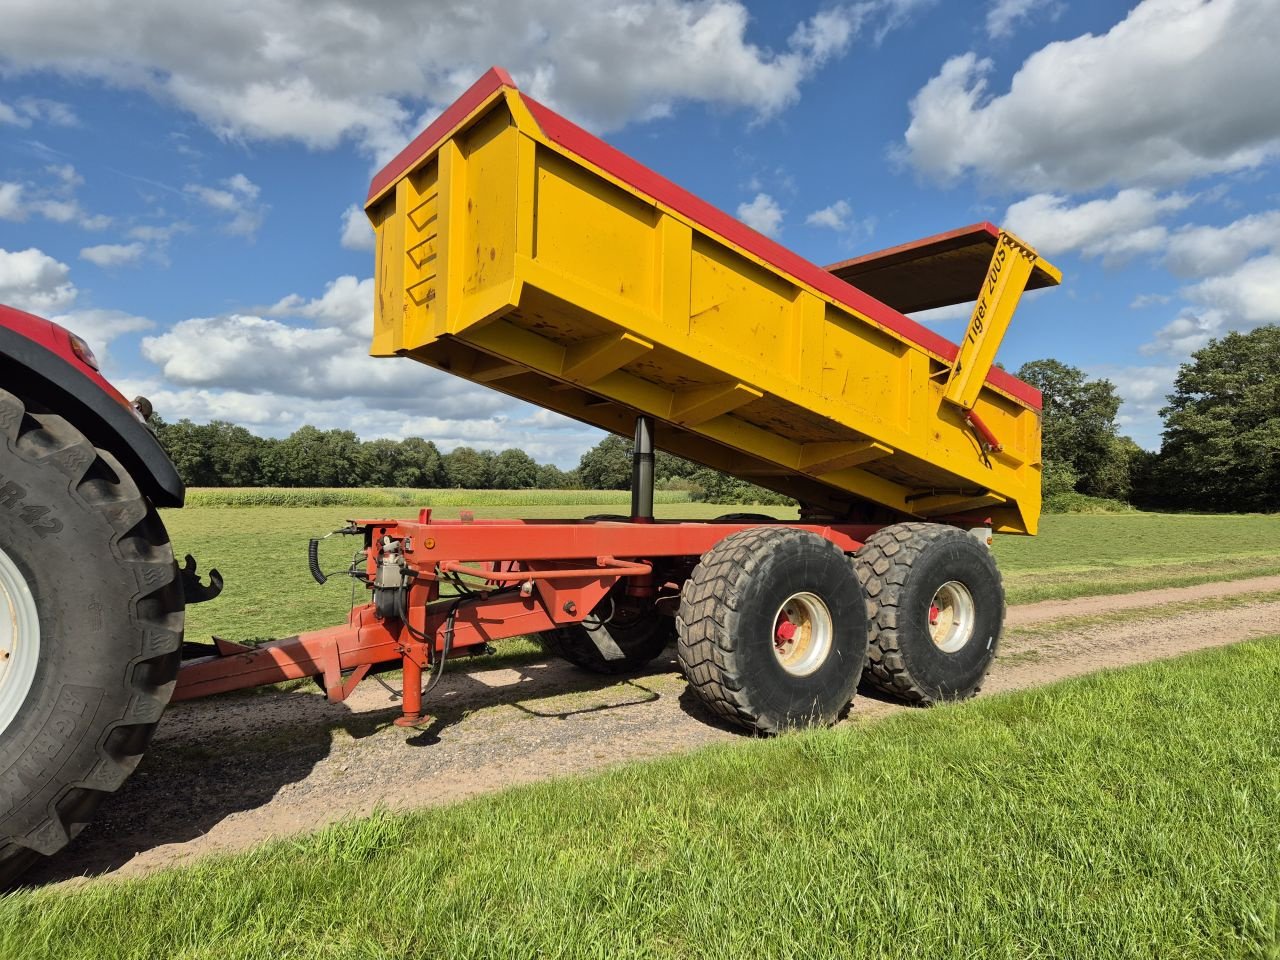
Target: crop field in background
261,550
1104,817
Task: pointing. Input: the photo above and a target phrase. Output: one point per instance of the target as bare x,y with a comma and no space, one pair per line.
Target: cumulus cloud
34,281
1241,298
1112,228
113,254
357,232
236,199
1169,93
834,217
347,303
351,70
1202,251
762,213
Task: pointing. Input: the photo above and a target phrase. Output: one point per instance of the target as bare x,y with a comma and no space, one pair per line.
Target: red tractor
91,600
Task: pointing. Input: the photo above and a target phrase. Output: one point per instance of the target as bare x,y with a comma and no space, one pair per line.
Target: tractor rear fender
38,361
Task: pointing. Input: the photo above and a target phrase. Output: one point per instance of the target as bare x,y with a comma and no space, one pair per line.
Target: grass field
1128,814
262,552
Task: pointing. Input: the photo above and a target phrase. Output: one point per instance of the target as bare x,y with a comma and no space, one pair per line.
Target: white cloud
347,303
32,280
357,232
287,69
1171,92
1202,251
238,200
1187,332
56,201
1145,300
834,217
954,311
762,213
1242,298
1143,390
1250,293
1003,15
113,254
1113,228
31,110
11,207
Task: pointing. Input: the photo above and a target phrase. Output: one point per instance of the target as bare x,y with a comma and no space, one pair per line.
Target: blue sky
180,184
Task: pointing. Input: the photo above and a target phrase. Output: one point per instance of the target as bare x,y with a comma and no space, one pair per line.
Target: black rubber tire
110,609
745,518
641,634
901,568
725,629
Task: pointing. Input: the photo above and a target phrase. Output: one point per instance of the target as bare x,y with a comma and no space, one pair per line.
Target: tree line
1220,450
221,454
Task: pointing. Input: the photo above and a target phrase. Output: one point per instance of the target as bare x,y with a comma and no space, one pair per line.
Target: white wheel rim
19,640
802,634
951,616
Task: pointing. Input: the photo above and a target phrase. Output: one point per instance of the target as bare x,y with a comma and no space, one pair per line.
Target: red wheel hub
785,631
934,613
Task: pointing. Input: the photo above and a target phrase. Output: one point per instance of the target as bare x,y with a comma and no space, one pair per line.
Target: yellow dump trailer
515,249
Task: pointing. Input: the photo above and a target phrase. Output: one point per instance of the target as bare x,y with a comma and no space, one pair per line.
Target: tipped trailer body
516,250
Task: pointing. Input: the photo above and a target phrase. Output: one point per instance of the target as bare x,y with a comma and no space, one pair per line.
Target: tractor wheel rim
19,640
802,634
951,616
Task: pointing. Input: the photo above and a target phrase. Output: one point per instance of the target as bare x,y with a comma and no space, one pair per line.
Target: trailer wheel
91,615
772,631
615,639
936,603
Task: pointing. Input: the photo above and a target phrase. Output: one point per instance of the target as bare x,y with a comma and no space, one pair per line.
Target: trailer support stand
642,472
412,696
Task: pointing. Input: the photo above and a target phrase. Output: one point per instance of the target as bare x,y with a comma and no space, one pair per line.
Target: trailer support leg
642,472
412,696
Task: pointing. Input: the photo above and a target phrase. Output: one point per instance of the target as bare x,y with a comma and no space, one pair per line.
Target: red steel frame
561,569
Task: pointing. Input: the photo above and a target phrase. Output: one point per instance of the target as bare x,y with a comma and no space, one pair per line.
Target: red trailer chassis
527,576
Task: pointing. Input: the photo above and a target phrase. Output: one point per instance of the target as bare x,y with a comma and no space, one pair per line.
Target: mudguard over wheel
772,631
91,607
936,603
619,637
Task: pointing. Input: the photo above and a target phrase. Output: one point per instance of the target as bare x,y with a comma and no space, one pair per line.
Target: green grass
1079,555
261,551
1130,814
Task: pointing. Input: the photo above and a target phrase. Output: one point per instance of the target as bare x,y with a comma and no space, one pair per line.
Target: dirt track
228,773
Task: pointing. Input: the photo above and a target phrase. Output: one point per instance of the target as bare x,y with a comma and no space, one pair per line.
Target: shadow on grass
221,757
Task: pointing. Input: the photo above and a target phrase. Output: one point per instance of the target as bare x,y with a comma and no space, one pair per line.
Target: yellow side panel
738,307
591,231
487,254
865,372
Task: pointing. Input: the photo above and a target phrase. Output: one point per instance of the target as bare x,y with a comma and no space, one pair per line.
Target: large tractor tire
936,603
772,631
617,638
91,611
